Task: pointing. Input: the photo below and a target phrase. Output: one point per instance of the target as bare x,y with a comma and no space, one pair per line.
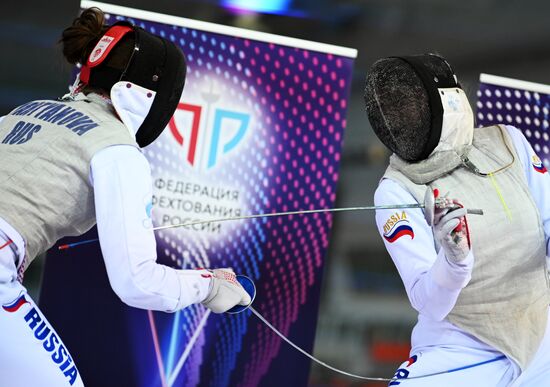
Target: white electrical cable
311,356
375,379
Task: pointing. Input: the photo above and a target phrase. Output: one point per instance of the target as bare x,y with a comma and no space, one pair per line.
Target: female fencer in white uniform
67,164
479,283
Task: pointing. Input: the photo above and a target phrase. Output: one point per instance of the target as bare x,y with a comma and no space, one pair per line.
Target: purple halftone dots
526,110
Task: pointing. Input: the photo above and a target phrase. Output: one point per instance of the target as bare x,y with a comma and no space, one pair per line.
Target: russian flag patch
14,306
538,165
397,226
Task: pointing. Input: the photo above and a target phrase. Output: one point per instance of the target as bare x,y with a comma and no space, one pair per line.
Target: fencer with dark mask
68,164
479,284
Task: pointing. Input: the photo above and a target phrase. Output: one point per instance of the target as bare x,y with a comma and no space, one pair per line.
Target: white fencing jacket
432,283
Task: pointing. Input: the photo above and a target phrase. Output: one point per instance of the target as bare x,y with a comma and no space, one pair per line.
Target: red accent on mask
102,49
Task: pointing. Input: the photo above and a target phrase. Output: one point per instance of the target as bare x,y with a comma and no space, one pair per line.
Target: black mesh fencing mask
403,103
147,87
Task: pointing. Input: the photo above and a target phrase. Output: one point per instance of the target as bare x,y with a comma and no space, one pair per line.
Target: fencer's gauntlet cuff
225,292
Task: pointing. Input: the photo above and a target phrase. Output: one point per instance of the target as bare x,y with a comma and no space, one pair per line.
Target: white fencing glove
450,227
452,233
435,207
225,291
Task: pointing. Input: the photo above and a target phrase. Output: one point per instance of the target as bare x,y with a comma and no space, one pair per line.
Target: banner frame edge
222,29
514,83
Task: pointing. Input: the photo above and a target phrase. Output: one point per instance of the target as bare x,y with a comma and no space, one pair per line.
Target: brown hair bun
80,38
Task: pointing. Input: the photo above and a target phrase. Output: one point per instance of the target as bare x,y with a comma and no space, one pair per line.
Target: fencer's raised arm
433,282
121,179
538,179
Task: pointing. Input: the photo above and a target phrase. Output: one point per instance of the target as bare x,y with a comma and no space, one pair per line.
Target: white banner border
514,83
221,29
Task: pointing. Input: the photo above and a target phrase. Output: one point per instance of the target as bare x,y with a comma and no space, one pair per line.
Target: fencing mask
416,106
144,74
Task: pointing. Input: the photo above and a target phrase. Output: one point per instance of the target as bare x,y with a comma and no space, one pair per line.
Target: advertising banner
258,130
525,105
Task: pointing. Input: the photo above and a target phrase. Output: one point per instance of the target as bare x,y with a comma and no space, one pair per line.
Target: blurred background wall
365,319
